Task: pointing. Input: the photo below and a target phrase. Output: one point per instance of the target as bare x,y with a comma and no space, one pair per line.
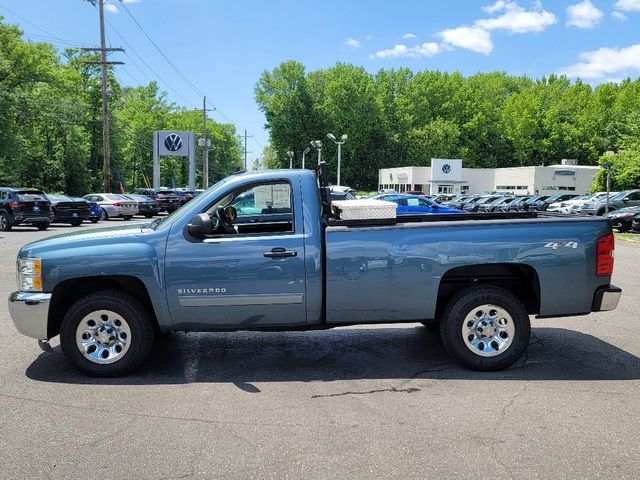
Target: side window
3,195
260,209
634,196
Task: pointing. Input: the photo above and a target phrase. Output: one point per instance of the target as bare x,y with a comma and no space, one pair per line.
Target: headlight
29,274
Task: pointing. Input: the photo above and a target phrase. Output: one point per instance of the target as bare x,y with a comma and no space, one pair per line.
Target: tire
494,346
94,220
42,226
127,217
149,215
76,223
5,225
105,215
109,307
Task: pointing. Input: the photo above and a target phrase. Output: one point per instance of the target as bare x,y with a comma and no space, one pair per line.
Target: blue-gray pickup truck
263,251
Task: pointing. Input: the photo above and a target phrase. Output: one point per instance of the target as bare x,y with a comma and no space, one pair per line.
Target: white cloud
131,1
471,38
111,8
352,42
627,5
583,15
409,36
516,19
619,16
428,49
605,62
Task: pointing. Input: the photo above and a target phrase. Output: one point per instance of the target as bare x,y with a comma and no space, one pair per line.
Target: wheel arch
517,278
67,292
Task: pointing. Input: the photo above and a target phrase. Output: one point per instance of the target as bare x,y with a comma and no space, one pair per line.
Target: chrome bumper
606,298
29,312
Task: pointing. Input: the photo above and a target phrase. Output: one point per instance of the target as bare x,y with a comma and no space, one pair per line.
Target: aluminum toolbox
366,209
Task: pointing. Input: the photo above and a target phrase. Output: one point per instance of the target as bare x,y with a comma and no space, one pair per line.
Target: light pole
607,168
318,145
290,155
343,138
306,150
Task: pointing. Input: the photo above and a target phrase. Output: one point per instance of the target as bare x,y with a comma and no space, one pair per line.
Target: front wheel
127,217
94,220
485,328
42,226
105,215
76,223
106,334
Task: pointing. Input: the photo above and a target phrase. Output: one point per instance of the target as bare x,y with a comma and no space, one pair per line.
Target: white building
448,176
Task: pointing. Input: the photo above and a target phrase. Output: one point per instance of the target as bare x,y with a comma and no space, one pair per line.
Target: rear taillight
116,204
13,204
604,255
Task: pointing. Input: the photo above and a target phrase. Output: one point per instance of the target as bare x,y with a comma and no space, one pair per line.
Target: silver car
114,205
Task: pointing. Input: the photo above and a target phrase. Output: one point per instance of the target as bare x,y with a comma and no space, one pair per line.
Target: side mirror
200,225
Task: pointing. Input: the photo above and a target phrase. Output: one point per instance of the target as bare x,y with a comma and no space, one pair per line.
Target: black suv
24,206
166,199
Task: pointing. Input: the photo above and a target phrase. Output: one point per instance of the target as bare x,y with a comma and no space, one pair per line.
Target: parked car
387,190
416,204
113,205
628,198
169,202
24,206
68,210
146,206
461,202
494,206
530,204
517,204
95,212
207,269
635,224
576,205
621,219
475,206
542,204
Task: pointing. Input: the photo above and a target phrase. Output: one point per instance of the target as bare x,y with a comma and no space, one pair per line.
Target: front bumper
606,298
30,312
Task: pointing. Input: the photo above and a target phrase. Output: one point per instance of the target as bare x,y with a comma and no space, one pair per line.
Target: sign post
174,144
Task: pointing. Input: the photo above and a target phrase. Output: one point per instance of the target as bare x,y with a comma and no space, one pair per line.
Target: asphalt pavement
354,402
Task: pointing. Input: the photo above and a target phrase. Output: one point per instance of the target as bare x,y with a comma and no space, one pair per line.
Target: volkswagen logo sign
446,168
173,142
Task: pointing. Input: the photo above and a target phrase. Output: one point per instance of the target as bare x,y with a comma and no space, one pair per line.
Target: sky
220,48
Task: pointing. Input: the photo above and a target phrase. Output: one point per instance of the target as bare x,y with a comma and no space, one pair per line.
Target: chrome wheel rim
488,330
103,337
3,222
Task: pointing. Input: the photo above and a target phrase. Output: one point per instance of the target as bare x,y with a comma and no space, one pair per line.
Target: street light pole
290,155
317,144
343,138
304,152
607,167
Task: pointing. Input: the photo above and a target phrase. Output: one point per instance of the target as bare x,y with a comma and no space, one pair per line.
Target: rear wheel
76,223
42,226
105,215
127,217
485,328
149,215
94,220
107,334
5,225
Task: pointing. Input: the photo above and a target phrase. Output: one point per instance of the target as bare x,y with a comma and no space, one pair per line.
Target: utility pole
246,167
205,147
106,150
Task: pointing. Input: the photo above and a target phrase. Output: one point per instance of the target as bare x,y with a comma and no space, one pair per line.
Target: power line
130,48
186,80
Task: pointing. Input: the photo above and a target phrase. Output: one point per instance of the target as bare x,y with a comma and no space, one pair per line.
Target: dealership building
448,176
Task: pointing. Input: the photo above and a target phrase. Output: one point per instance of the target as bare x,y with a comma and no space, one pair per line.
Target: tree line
398,118
51,123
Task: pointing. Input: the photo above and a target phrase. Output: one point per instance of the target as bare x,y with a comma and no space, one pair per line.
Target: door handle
279,252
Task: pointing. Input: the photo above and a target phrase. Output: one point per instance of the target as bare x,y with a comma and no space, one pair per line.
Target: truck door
254,277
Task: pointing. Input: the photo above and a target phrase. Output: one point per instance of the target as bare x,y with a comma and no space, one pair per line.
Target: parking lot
353,402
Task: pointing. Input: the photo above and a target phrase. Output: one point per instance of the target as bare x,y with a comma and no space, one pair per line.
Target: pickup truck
262,251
